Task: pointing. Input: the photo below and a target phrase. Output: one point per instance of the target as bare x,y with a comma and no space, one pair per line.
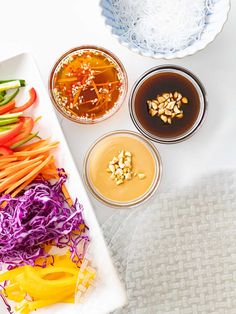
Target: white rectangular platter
108,294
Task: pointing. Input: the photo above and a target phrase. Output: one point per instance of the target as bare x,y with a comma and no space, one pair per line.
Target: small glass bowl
150,191
116,106
197,86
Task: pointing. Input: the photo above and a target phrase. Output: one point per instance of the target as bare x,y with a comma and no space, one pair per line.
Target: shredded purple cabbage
40,215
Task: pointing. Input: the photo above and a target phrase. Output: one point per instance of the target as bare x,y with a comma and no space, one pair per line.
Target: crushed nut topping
121,166
167,106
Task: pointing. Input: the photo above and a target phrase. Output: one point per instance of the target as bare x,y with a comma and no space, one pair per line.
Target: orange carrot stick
18,166
67,195
34,145
102,67
97,106
8,159
96,90
77,96
69,79
37,151
17,162
16,176
35,171
22,186
79,90
4,164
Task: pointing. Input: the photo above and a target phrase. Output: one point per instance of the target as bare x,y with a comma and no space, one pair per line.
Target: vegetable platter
31,105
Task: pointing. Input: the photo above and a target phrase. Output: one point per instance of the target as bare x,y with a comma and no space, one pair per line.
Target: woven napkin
178,255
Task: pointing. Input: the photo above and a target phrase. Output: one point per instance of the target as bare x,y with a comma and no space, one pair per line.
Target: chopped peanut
167,106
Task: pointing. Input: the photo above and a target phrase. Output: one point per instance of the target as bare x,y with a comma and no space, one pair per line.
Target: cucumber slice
8,98
8,121
11,115
22,82
9,85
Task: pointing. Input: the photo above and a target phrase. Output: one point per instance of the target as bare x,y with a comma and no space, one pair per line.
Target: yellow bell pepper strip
9,275
27,307
34,282
14,293
45,286
42,303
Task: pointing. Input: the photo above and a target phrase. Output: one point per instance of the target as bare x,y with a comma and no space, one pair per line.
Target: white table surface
50,27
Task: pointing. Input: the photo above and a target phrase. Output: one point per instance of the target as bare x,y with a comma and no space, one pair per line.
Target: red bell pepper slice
28,124
5,151
32,99
9,134
7,107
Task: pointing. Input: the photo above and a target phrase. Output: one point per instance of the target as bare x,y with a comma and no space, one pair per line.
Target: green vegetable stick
8,98
10,85
11,115
8,121
22,82
5,128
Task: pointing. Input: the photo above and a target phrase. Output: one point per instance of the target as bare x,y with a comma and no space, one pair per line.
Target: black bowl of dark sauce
166,79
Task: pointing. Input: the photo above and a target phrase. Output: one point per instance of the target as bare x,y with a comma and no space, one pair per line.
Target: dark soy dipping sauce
157,85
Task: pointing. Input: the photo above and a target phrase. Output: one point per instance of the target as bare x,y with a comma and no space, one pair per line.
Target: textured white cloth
179,254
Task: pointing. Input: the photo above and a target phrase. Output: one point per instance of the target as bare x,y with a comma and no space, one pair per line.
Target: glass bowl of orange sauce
88,84
122,169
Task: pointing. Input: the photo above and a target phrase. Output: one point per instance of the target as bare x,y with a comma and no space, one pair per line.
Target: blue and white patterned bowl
214,25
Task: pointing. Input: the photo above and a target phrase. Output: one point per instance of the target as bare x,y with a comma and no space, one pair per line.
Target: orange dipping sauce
88,84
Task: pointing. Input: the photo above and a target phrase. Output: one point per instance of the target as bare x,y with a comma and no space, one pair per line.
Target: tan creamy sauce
142,161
